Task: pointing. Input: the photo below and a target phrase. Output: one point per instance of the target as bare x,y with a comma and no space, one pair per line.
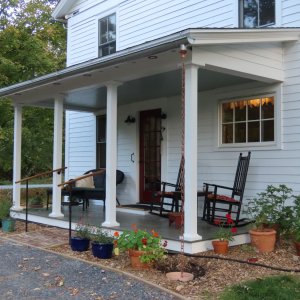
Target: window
101,141
107,35
248,121
257,13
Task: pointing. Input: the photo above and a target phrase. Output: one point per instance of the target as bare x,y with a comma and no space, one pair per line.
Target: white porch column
57,157
17,157
111,155
190,140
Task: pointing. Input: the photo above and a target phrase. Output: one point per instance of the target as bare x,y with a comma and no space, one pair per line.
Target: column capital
113,83
191,65
60,97
17,105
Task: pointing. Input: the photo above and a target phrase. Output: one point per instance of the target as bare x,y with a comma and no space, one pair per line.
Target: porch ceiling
142,79
147,71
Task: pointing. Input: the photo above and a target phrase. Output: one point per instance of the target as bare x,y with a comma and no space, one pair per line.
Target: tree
32,44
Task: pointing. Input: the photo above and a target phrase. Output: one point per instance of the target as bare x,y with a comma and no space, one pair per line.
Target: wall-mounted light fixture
163,116
130,119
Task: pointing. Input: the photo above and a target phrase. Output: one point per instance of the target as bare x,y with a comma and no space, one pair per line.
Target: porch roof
142,67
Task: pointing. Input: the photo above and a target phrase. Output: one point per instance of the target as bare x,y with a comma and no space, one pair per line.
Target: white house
242,93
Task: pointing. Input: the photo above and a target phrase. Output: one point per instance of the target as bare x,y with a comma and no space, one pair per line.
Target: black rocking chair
174,195
217,205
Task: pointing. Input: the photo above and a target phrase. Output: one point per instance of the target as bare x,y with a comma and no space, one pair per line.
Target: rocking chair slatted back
241,175
180,177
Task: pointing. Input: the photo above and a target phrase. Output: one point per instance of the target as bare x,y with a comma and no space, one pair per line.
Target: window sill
250,146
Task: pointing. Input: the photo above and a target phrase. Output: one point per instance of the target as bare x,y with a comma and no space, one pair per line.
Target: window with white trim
248,121
257,13
107,35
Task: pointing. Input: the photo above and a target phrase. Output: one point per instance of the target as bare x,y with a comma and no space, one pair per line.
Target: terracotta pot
263,240
297,246
220,247
275,227
135,259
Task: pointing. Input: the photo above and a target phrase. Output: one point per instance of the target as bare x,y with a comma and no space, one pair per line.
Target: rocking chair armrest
164,183
216,186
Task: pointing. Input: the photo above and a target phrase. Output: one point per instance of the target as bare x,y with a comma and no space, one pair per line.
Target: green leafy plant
36,200
226,229
295,228
142,240
271,207
82,231
101,236
5,205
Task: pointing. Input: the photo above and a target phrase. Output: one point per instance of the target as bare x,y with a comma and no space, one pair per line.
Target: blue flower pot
103,251
8,225
79,244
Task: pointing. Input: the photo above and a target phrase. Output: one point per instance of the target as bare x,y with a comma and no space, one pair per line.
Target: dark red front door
150,154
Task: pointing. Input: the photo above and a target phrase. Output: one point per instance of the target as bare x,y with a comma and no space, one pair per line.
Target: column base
111,224
192,237
56,215
16,208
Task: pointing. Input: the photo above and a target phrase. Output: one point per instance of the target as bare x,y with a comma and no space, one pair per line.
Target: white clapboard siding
141,21
290,13
80,143
81,41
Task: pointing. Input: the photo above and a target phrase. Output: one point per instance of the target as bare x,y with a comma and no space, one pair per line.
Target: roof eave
61,9
238,36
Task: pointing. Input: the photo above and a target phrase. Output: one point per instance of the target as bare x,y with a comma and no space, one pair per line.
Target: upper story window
257,13
107,35
248,121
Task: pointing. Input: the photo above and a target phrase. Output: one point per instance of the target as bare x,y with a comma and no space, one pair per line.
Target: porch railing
30,178
69,186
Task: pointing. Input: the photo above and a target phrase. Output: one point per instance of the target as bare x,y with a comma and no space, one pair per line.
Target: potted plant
81,241
36,201
8,224
272,210
102,243
224,235
271,214
143,247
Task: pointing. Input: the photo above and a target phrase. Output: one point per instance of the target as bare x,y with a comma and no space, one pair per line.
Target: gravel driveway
31,273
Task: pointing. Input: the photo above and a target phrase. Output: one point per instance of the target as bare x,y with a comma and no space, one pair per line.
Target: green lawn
285,287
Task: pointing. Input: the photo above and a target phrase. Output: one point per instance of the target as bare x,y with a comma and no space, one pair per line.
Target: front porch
95,216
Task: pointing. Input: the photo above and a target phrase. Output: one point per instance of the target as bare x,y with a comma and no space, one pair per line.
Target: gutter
135,52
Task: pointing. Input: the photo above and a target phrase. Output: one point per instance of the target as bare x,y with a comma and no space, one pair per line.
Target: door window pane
101,141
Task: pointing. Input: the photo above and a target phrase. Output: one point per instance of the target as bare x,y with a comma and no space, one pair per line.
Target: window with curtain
248,121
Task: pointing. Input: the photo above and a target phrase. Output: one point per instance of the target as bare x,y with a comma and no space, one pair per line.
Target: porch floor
94,216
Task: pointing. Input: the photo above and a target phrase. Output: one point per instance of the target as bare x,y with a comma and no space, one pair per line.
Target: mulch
212,275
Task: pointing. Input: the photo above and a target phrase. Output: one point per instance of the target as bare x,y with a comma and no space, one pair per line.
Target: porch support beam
190,149
111,155
57,157
17,157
